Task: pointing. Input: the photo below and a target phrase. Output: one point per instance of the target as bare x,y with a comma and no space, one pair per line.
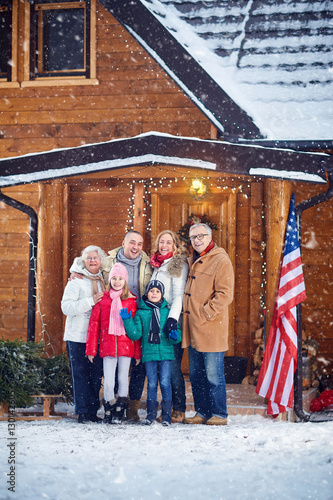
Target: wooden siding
14,263
134,96
317,259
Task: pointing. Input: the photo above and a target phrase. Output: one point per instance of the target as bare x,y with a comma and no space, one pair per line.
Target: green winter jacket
139,327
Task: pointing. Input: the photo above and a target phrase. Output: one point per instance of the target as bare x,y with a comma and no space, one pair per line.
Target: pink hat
119,270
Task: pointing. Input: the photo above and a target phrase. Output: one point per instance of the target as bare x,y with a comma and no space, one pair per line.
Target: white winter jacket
173,274
77,304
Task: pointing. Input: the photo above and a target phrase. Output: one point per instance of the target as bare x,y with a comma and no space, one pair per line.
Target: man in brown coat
209,291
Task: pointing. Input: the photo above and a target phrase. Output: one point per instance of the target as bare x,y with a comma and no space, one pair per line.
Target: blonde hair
178,246
126,291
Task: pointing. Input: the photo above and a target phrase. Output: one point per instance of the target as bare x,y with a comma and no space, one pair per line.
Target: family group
130,317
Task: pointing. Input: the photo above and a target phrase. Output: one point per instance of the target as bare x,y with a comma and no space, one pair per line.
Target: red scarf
208,249
156,260
197,255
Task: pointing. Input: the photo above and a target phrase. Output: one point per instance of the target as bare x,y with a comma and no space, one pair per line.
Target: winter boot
109,410
166,413
177,417
132,410
121,407
151,412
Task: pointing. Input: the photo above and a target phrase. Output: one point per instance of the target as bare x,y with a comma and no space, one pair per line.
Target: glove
173,335
171,324
124,313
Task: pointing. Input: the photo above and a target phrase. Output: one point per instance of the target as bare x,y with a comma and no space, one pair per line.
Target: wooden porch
241,400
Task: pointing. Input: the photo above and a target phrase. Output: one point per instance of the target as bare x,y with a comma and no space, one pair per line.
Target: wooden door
171,210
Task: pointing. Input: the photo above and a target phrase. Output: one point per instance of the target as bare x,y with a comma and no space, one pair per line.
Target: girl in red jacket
106,328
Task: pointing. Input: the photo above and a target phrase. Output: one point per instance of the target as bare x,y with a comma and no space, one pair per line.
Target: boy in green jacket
156,345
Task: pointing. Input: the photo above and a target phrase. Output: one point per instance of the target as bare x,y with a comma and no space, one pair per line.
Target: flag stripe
276,377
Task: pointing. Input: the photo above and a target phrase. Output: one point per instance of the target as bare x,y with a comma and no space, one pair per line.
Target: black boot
109,410
166,412
121,407
151,412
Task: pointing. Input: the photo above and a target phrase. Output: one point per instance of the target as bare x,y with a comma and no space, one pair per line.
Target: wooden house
105,127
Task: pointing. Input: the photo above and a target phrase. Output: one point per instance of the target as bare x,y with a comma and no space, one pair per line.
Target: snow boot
109,410
151,413
121,407
177,417
132,410
166,413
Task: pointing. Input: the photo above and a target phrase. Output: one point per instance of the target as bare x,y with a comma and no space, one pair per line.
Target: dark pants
137,380
177,380
86,378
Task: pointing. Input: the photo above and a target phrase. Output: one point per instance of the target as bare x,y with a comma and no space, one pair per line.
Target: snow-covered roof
155,148
272,58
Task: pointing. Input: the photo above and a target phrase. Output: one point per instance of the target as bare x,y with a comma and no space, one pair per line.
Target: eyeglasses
92,258
199,236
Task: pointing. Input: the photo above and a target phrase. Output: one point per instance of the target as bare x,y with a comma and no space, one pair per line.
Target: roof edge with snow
155,148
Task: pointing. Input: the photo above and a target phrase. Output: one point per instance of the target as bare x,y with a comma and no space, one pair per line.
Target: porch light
198,189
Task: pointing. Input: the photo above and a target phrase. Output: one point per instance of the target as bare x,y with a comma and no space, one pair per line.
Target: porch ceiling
155,148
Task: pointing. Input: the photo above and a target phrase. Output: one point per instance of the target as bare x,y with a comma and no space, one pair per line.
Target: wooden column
257,278
49,318
139,220
277,200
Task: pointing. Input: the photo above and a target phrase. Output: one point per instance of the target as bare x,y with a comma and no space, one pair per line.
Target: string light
45,337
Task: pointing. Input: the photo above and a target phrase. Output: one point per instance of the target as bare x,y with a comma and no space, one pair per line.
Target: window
8,43
5,41
61,43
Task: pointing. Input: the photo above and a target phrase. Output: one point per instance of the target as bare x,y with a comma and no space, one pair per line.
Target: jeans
86,378
177,380
159,370
137,380
208,383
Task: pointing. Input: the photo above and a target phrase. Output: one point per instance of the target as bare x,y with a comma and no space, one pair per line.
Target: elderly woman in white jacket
80,295
169,263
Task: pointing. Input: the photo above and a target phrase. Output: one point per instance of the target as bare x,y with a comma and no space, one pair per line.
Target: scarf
196,255
154,336
156,260
133,269
94,282
116,325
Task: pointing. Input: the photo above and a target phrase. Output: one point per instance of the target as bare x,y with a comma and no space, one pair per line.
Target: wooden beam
257,238
277,202
49,319
138,217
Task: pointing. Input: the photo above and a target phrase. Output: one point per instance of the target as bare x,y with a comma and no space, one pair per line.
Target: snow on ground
253,457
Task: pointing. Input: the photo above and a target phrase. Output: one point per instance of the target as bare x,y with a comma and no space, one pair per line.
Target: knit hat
155,284
119,270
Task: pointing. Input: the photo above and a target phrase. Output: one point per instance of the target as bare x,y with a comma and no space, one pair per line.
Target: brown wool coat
209,291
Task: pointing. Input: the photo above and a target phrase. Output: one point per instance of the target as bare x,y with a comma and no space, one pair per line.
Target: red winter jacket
98,329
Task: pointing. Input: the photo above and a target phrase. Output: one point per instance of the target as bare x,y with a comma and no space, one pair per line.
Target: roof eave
161,149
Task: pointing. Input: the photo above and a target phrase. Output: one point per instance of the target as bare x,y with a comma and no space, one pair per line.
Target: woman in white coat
169,263
80,295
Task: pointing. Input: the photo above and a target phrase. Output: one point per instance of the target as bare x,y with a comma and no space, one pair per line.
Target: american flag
276,377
